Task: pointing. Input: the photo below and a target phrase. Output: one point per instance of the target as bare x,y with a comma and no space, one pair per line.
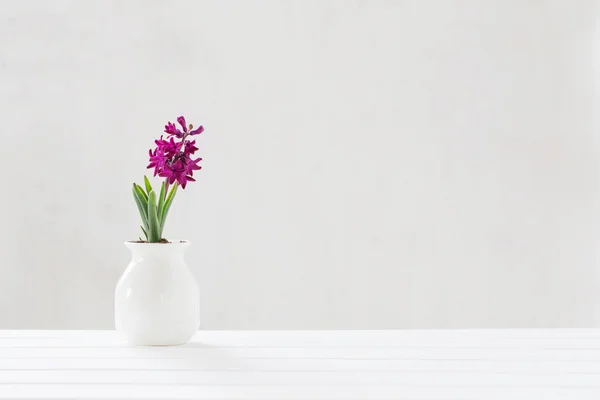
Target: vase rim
171,242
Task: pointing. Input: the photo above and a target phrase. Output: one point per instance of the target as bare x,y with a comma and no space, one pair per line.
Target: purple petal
181,121
171,129
195,165
197,131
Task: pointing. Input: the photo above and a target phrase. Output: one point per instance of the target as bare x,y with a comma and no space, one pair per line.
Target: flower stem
166,188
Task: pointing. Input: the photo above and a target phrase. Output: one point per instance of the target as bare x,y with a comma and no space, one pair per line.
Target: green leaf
167,205
147,184
161,202
154,231
145,234
142,206
141,192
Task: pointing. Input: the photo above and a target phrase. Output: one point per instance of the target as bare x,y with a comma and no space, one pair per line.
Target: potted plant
156,298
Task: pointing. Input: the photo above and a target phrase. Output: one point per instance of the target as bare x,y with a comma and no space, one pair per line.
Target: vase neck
167,251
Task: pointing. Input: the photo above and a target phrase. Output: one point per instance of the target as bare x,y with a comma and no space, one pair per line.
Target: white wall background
368,164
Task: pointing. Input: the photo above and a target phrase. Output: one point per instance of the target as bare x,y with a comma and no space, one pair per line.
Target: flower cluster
171,159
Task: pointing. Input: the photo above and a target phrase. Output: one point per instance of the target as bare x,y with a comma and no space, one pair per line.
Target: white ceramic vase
157,300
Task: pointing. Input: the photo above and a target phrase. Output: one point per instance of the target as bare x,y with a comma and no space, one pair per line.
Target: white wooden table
369,365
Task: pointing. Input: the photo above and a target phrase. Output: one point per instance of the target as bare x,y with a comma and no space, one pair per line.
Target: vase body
156,300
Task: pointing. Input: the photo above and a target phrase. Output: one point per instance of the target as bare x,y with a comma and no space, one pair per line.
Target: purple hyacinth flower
197,131
157,161
192,165
171,129
168,147
168,173
175,172
181,121
189,147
